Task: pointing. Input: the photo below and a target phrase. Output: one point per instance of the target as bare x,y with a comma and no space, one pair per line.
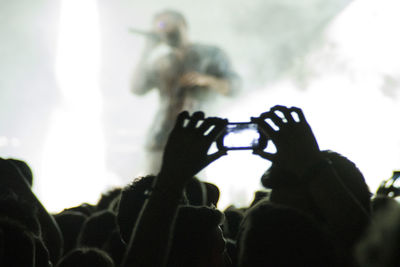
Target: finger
207,125
180,120
263,154
299,113
264,114
285,111
264,127
215,156
189,79
278,121
219,126
195,118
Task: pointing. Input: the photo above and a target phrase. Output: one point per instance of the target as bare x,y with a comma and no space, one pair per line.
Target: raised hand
296,146
185,154
186,150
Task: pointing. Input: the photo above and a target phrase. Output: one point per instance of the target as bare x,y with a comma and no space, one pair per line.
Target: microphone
146,34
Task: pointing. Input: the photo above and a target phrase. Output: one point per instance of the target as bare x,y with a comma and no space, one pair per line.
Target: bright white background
338,60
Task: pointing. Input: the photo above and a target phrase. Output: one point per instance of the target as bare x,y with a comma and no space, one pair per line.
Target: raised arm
299,155
184,156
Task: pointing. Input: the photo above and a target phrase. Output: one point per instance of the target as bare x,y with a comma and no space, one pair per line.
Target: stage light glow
73,168
343,80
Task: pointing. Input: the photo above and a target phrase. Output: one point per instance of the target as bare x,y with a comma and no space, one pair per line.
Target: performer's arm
217,75
185,155
221,85
143,78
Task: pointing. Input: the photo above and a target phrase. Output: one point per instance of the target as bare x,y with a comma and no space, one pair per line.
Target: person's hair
85,208
347,171
97,229
174,14
212,193
193,234
195,192
274,235
233,219
24,168
86,257
107,198
351,177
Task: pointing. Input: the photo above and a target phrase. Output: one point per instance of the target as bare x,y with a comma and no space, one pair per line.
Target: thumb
216,155
264,155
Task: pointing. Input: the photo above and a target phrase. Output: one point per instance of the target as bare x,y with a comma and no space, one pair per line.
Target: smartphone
241,136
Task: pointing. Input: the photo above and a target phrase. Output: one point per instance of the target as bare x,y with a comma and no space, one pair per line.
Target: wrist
170,179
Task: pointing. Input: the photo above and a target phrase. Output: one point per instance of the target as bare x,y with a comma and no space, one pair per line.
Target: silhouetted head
84,208
200,193
97,229
287,189
352,178
273,235
86,257
195,192
108,198
132,200
197,239
133,197
259,196
70,223
233,219
115,247
172,27
212,193
24,168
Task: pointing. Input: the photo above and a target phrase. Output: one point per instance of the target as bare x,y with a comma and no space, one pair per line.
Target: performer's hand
297,148
196,79
186,151
191,79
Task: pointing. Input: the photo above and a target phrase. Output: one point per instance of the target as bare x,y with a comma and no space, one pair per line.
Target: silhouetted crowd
316,210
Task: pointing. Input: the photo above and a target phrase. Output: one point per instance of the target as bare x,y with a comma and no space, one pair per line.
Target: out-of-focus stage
66,106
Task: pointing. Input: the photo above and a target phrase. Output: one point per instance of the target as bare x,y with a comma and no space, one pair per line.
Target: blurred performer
186,75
